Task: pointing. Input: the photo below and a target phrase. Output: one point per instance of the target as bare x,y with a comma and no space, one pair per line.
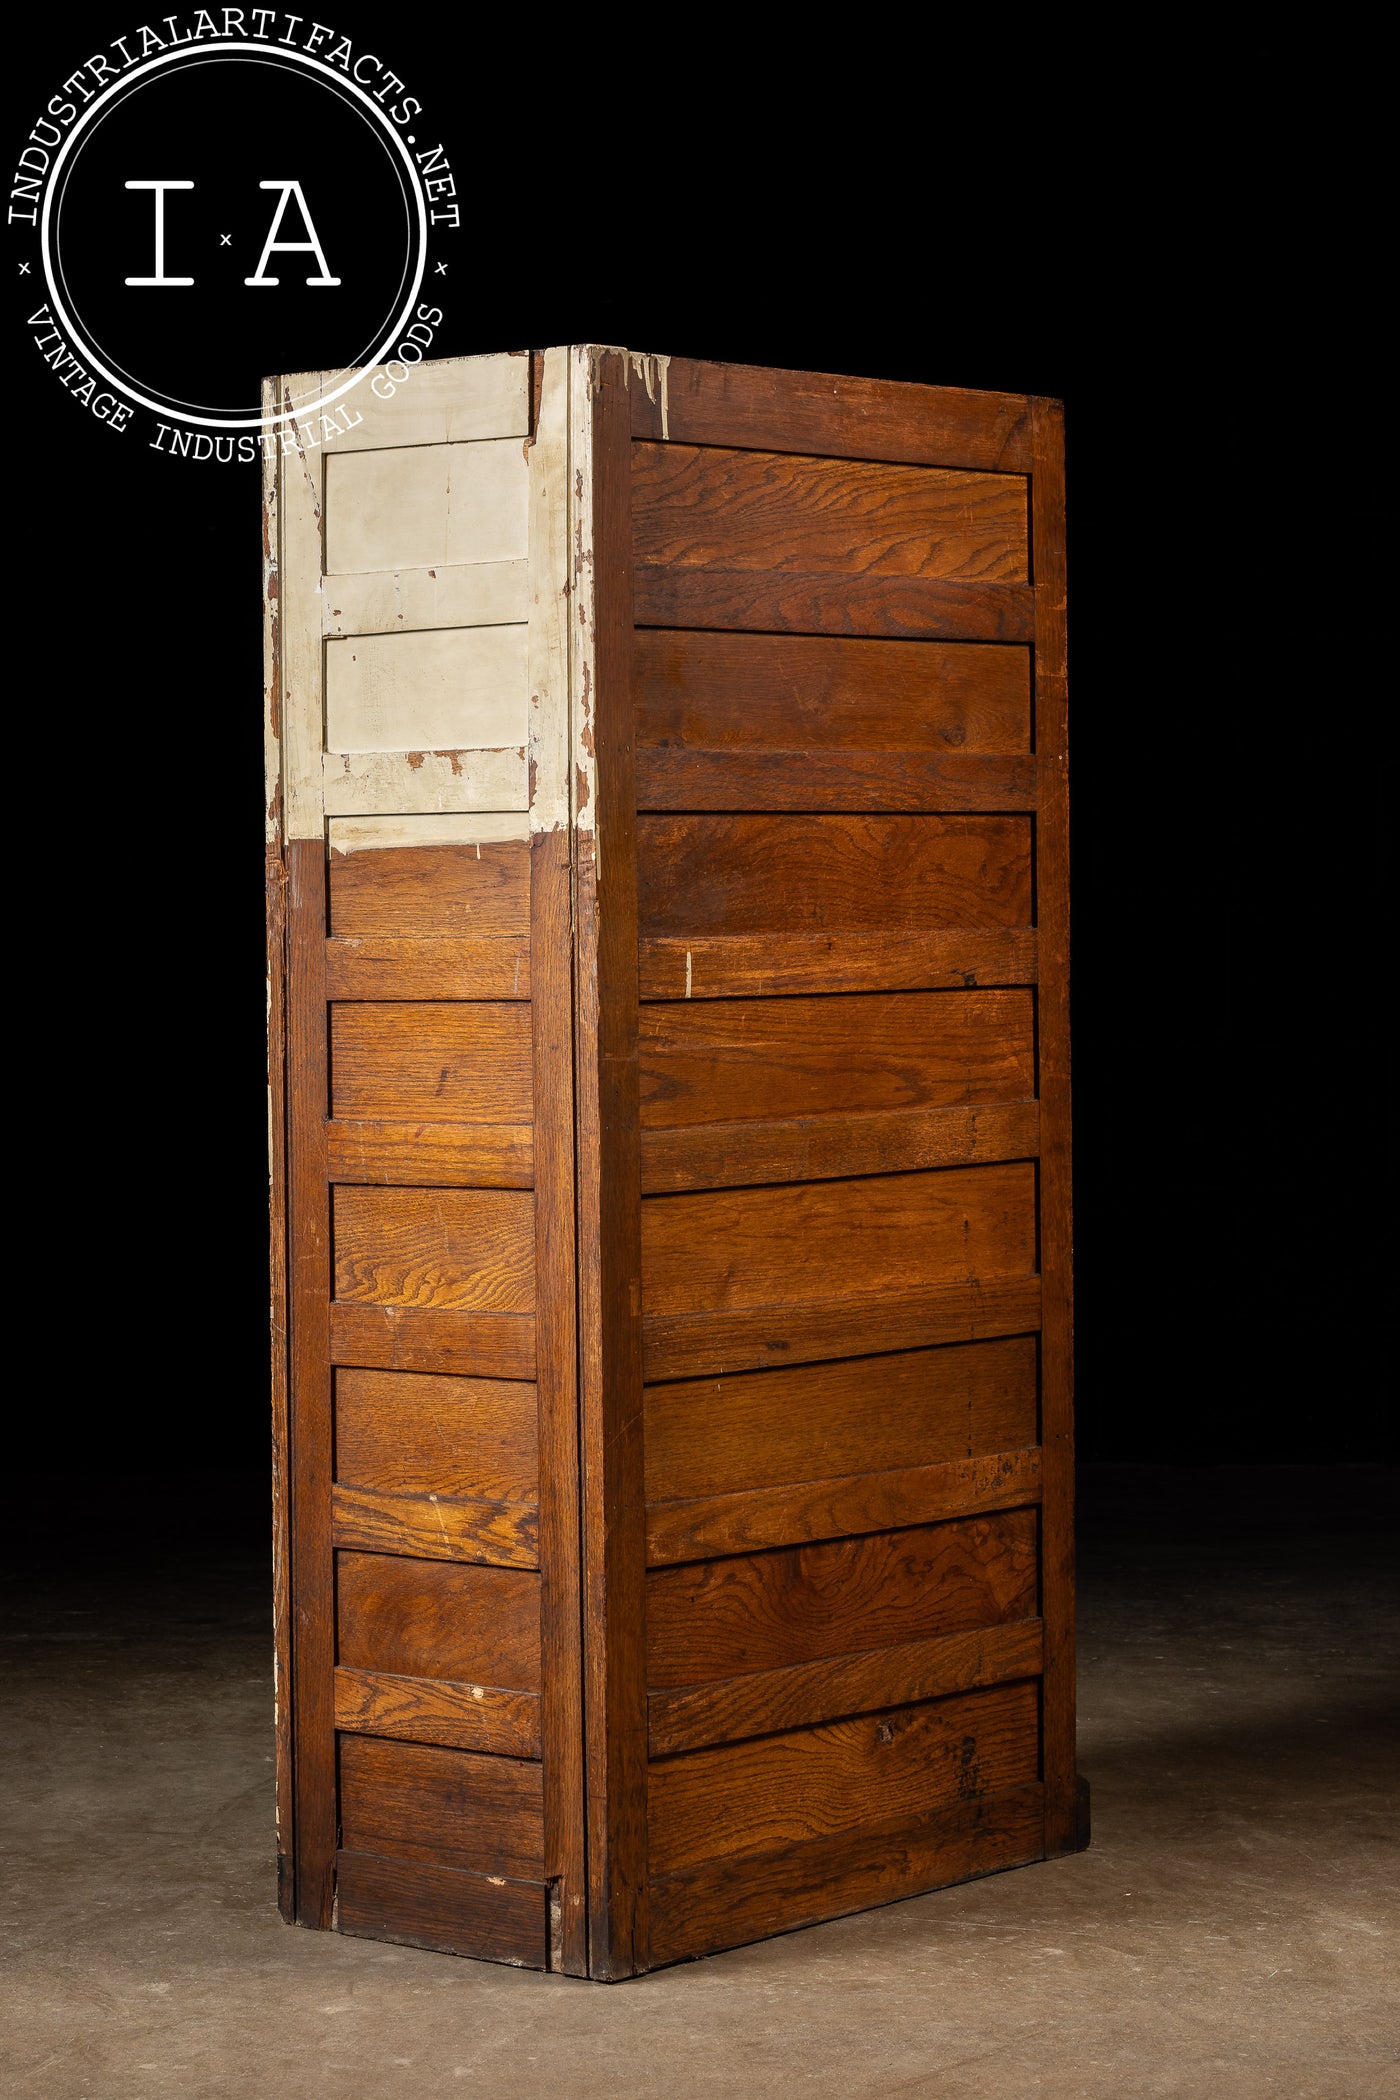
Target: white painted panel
360,783
355,834
417,506
450,689
485,594
443,401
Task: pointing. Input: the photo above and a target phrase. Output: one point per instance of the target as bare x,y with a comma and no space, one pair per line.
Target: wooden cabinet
667,855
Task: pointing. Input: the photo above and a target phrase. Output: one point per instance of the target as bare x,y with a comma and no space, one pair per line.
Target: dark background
1230,964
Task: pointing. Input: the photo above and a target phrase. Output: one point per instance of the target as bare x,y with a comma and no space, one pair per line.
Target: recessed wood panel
446,1061
445,1807
760,1429
417,1618
816,693
764,1611
412,892
437,689
719,1061
731,1248
436,968
696,505
412,1905
421,506
785,1789
424,1338
699,875
482,1717
437,1527
467,1249
410,1434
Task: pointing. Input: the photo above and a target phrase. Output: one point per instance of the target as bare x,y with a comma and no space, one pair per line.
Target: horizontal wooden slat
787,601
412,1904
726,1249
467,1155
418,506
810,1148
431,1060
776,875
431,1710
418,1435
805,1694
822,1421
827,1509
727,1903
448,400
439,967
453,1249
437,1527
474,594
726,966
411,783
749,1797
826,412
443,1806
743,509
732,1060
409,892
410,1338
460,1621
826,694
711,1620
832,780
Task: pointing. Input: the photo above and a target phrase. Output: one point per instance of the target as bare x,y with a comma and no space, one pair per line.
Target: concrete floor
1232,1932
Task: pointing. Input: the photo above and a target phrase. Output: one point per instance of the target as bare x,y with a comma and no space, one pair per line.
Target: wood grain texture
851,781
799,1604
434,1060
479,1717
694,1345
707,506
437,966
417,1618
730,1902
412,1338
557,1392
1062,1811
833,414
309,1252
279,1368
432,1155
418,892
822,694
741,965
420,1435
719,1062
708,875
833,1509
762,1429
789,601
811,1148
414,1905
444,1807
437,1527
730,1249
609,1172
750,1797
450,1249
806,1694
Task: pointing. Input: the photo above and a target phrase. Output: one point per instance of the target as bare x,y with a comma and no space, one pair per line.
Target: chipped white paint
549,600
422,506
358,834
485,594
441,689
652,370
300,584
687,973
582,637
272,617
363,782
447,401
